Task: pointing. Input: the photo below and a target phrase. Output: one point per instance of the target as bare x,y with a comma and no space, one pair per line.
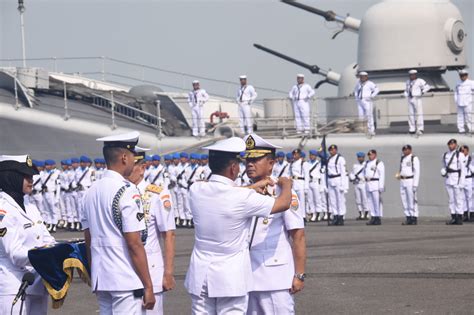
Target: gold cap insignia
29,162
250,143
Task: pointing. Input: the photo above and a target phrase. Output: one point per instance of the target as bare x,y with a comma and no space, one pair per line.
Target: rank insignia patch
140,216
3,232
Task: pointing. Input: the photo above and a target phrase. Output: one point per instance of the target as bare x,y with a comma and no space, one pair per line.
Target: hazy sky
208,38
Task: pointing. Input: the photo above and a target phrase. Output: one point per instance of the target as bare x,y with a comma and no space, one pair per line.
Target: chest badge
265,220
3,232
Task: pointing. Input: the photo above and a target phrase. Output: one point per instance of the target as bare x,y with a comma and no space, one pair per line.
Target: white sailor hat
19,163
243,77
363,73
126,140
256,146
463,72
300,75
234,144
196,82
412,71
140,153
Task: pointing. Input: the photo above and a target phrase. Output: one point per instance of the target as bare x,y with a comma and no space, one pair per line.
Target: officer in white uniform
196,100
51,188
454,173
467,189
183,194
374,173
66,180
300,96
115,230
299,172
192,173
159,218
357,178
409,176
337,185
246,95
156,172
173,170
315,181
220,274
281,167
463,98
83,181
21,229
364,92
36,196
415,88
278,244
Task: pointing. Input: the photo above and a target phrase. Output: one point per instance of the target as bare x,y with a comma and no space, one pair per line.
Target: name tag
27,225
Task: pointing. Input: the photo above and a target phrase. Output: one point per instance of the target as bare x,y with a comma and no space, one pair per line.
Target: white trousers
465,118
70,205
62,206
34,305
80,204
375,204
271,302
177,203
337,201
455,197
245,116
198,121
361,197
314,198
204,304
158,309
467,198
366,112
186,208
74,207
119,303
38,201
52,211
301,109
408,196
415,115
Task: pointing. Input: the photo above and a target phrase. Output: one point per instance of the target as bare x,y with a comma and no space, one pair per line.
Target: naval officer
21,229
196,100
337,185
300,96
468,207
414,90
374,173
246,95
278,245
220,275
454,173
299,172
364,92
409,176
463,98
115,229
357,178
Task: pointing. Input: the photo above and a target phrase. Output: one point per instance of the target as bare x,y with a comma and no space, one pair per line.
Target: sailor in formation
51,189
281,167
414,90
463,98
364,93
277,242
83,181
316,182
115,231
467,189
196,100
409,176
337,185
219,277
246,95
206,170
66,180
454,172
357,178
300,96
299,172
374,173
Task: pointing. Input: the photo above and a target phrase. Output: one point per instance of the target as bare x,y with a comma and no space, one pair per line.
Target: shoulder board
154,188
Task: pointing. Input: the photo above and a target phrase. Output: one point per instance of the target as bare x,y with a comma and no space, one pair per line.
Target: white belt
218,250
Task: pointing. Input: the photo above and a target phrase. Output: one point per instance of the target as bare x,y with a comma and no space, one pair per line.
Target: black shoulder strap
283,170
47,179
157,175
361,169
452,158
82,177
37,181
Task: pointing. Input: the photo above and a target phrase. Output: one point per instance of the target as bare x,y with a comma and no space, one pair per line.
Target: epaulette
154,188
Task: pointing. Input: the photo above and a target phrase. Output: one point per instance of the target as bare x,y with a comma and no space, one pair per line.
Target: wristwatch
300,276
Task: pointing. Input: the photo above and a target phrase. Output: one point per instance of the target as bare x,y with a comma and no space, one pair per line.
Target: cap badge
29,162
250,143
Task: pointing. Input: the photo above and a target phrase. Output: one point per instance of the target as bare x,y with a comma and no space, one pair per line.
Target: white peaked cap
463,71
363,73
234,144
16,158
256,146
300,75
196,82
243,76
412,71
140,149
124,137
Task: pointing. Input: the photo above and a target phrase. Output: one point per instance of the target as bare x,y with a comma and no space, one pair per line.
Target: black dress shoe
458,220
378,221
471,217
408,221
366,215
465,217
414,220
335,219
341,220
452,221
371,221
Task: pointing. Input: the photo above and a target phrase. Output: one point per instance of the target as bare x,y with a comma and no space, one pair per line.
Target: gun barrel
312,68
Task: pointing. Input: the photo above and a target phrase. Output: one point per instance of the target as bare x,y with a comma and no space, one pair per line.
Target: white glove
415,188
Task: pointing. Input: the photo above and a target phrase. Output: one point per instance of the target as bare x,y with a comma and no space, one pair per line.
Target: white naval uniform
360,190
374,174
99,173
409,181
414,90
206,172
314,191
51,195
463,99
36,196
177,205
271,254
220,274
196,101
364,92
337,184
113,279
242,178
468,183
20,231
156,175
246,95
453,162
159,218
281,169
192,173
300,95
82,186
67,179
183,201
299,171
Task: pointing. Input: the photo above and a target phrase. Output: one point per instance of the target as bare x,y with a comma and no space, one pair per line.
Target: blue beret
303,154
242,154
204,157
360,154
184,155
64,162
148,158
195,156
68,162
280,154
97,160
176,155
49,162
156,157
84,159
289,155
313,152
168,157
75,160
40,163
